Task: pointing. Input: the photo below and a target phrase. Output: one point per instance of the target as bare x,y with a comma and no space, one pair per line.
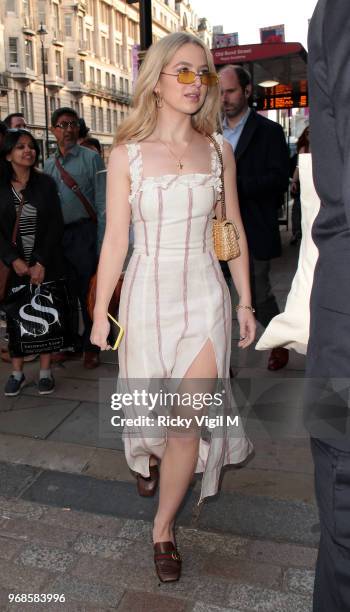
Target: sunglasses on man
64,125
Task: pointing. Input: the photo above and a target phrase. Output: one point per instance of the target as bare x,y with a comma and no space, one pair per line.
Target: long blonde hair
143,118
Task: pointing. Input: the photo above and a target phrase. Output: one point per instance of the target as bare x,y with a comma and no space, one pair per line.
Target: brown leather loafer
91,360
167,561
278,359
147,487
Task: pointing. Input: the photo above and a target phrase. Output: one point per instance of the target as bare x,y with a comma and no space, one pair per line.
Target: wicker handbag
225,233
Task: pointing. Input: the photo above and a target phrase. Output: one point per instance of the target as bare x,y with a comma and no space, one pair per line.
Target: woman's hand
99,332
294,188
20,267
37,274
247,327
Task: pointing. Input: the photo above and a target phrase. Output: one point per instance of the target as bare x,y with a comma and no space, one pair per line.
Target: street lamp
42,33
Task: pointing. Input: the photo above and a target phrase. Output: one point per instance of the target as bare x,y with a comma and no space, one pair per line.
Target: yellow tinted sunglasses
187,77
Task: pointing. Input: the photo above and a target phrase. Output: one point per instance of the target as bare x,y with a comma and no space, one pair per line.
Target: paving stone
271,483
4,601
136,530
37,531
19,508
299,580
209,542
282,554
107,571
51,559
256,599
59,456
261,517
73,389
83,522
10,548
198,588
38,421
90,592
200,606
101,497
245,571
110,464
107,548
82,427
19,579
14,478
145,602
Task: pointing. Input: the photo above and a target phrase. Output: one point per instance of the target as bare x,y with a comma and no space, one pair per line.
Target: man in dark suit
262,161
328,358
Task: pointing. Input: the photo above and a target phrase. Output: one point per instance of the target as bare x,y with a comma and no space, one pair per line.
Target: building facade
89,56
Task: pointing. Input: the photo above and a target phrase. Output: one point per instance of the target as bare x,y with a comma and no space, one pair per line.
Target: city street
71,521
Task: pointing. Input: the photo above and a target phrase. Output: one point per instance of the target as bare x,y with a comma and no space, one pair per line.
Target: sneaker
13,385
46,386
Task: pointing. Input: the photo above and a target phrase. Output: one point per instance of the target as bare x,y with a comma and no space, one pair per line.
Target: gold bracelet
246,307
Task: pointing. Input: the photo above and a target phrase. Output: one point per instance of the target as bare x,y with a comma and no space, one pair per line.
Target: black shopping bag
38,318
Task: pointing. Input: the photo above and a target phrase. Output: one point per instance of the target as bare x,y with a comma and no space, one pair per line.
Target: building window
93,118
68,24
10,6
81,110
121,84
46,61
88,38
76,107
108,80
26,8
119,22
31,108
114,86
109,121
115,120
100,120
15,93
122,114
126,86
92,74
118,53
13,42
58,62
41,11
28,46
70,69
98,72
80,29
56,17
103,12
52,104
103,46
82,71
23,105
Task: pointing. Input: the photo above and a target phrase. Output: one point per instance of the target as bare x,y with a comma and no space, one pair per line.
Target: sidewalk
71,520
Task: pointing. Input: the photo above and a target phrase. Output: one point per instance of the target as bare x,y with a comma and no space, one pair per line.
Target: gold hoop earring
159,99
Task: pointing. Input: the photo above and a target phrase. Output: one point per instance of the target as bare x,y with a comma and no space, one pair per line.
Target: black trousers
79,247
332,482
263,299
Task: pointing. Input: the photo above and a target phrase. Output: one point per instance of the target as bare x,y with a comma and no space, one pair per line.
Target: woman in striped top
36,255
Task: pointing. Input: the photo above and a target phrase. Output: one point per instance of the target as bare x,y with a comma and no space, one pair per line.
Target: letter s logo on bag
38,320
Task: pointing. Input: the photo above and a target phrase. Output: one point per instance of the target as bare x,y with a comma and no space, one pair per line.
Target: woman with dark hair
35,256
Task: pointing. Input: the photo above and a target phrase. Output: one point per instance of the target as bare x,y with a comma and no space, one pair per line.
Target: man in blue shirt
262,163
83,233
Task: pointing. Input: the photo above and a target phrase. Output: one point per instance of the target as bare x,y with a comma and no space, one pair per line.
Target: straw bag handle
221,197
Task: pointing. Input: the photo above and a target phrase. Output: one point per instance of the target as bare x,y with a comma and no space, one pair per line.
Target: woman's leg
17,364
45,361
181,452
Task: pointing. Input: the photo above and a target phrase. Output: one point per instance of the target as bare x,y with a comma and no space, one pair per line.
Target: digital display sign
285,100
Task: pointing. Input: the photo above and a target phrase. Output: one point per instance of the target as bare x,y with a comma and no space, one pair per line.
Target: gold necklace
179,162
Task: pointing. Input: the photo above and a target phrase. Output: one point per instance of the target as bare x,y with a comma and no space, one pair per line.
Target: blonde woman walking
164,177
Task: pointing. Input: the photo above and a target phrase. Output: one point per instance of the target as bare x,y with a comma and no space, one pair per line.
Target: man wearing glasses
81,180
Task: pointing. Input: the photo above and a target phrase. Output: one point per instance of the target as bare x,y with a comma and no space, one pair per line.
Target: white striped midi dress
174,299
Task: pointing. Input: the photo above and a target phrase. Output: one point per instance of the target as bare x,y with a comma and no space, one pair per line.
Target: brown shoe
167,561
91,360
65,356
278,359
146,487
